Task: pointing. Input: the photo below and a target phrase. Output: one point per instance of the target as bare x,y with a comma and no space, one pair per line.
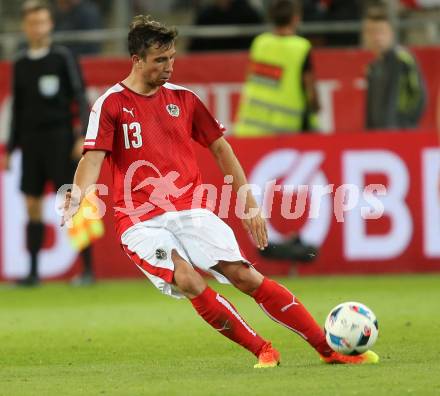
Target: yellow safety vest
273,99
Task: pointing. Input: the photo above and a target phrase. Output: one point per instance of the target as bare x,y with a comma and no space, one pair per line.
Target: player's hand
5,161
70,207
256,226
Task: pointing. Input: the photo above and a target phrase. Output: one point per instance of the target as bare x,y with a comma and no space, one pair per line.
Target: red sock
223,316
283,307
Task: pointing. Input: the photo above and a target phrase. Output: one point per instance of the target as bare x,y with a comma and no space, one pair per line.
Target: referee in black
47,83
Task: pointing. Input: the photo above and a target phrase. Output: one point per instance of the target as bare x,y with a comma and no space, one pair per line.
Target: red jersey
148,140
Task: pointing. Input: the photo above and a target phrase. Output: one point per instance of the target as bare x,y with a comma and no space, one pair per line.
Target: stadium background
121,337
398,242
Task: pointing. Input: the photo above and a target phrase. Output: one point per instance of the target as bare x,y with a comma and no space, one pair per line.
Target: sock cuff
265,286
205,295
34,236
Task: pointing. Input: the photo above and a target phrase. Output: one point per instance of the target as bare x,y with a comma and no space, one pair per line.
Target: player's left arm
412,98
229,165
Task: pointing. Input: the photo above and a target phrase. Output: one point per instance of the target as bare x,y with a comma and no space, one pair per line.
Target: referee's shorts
47,157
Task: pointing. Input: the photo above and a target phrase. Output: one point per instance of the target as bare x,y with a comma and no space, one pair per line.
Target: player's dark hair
281,12
30,6
377,14
145,33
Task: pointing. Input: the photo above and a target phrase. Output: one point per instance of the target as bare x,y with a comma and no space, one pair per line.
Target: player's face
37,26
157,66
378,35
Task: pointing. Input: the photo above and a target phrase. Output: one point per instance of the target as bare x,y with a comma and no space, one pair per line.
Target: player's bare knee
190,283
243,277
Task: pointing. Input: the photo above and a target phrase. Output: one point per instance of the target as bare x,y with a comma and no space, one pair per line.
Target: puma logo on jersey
129,111
173,110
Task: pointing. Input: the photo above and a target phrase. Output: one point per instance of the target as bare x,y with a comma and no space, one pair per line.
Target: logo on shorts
161,254
173,110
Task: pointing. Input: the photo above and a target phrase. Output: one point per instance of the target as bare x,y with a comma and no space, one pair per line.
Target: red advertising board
403,237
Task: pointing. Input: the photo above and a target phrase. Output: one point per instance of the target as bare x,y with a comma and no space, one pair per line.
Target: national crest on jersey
173,110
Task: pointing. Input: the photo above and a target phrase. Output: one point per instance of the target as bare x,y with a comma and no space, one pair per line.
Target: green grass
125,338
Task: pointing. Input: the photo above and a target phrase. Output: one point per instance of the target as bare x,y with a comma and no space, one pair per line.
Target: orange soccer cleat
268,357
368,357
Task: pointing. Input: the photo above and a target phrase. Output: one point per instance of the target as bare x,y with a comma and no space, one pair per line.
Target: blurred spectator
46,81
396,94
225,12
78,15
279,96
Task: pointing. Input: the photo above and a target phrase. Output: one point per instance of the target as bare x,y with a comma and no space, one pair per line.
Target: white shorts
198,236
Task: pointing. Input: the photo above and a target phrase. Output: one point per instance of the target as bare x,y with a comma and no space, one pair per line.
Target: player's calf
244,277
284,308
223,317
214,308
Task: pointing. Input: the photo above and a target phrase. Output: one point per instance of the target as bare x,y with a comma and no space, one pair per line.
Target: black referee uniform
46,85
44,91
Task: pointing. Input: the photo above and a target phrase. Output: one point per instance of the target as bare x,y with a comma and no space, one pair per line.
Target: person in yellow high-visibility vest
279,94
280,97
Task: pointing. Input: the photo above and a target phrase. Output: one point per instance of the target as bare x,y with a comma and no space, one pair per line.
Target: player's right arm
86,175
98,143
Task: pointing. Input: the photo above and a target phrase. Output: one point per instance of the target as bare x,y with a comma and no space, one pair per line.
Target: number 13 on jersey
132,135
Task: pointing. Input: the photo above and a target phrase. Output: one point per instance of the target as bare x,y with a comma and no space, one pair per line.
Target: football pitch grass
125,338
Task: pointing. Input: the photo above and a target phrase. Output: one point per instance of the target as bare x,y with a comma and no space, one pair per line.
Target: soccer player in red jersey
145,126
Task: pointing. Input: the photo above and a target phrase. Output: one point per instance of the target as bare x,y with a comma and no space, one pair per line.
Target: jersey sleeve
14,137
205,128
102,125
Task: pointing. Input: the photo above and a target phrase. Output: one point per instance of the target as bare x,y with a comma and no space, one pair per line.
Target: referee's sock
86,255
35,236
284,308
224,318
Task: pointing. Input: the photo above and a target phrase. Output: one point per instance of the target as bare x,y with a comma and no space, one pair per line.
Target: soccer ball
351,328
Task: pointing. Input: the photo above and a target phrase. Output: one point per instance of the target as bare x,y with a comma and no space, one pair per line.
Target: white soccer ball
351,328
